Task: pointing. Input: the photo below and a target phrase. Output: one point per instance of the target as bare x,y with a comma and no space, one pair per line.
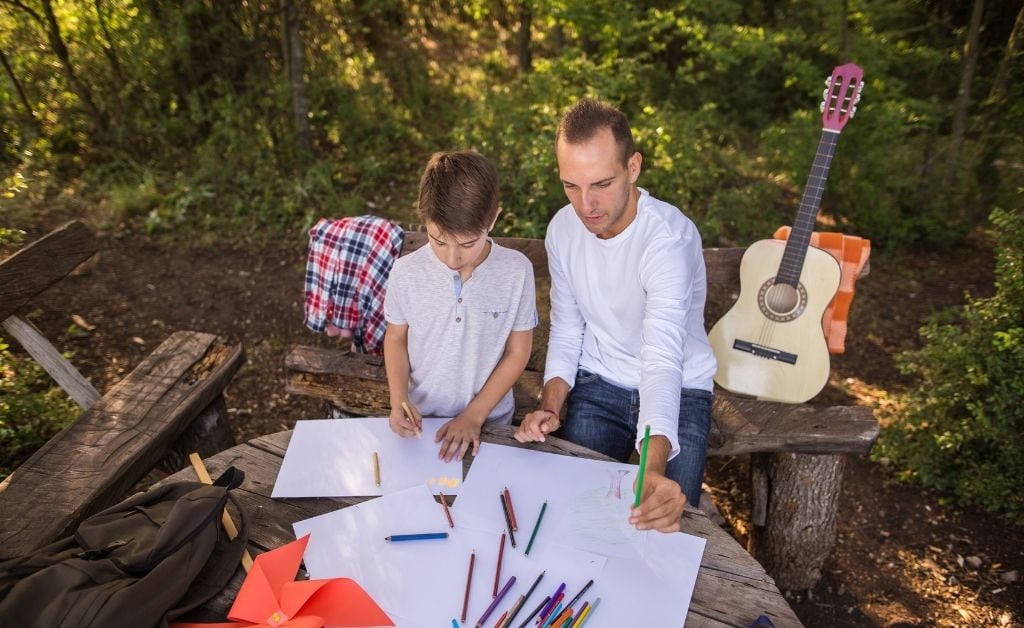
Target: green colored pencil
536,526
643,465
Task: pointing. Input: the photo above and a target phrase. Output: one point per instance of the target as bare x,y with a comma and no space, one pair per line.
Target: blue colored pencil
425,536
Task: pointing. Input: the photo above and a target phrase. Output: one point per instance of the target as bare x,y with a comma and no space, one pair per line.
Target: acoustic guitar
770,344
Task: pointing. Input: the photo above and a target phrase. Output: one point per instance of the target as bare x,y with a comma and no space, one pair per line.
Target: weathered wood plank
357,384
43,263
62,372
732,589
723,264
750,425
90,464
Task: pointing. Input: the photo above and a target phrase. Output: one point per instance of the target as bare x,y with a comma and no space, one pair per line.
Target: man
628,347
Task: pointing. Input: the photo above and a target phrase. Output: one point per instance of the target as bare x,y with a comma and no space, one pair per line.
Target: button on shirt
458,330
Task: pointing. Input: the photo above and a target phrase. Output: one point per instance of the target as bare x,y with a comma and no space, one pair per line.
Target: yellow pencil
408,413
376,469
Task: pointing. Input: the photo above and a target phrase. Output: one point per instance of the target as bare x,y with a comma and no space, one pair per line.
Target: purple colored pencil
547,609
496,601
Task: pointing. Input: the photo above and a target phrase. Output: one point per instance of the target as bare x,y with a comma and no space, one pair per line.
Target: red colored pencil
469,580
501,620
511,511
497,572
447,513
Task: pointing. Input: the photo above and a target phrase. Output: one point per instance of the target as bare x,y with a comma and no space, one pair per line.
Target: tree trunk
963,94
523,41
61,50
109,49
18,88
295,69
795,506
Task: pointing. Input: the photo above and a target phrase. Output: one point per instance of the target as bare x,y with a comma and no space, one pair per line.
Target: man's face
598,184
458,252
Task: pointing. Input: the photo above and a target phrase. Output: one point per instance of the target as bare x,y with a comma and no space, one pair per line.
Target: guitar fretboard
800,237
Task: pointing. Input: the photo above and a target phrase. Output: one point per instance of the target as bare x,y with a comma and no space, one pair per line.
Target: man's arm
662,503
546,419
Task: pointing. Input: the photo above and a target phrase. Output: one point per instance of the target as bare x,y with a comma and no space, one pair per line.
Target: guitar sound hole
781,302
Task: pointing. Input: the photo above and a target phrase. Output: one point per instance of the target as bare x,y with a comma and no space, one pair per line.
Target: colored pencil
590,611
554,600
522,599
583,610
497,571
542,604
376,469
495,602
447,513
412,419
469,580
508,520
501,620
536,526
560,619
455,623
580,594
568,622
423,536
551,617
643,465
511,510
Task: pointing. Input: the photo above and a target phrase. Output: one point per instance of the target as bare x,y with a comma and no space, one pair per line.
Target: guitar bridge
762,351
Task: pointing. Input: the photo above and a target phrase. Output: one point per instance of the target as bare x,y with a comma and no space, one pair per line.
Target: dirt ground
904,557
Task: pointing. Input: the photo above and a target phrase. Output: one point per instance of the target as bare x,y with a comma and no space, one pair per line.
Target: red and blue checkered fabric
346,276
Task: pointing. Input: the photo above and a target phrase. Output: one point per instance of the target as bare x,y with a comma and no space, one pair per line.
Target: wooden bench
170,404
797,451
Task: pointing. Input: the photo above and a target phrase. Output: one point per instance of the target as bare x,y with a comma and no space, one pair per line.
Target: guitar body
774,348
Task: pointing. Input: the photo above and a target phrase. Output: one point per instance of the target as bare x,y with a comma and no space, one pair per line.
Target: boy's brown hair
459,192
584,119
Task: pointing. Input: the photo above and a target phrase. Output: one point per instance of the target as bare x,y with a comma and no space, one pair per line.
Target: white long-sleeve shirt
631,309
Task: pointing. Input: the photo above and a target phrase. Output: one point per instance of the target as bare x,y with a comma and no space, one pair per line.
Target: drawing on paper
600,514
444,482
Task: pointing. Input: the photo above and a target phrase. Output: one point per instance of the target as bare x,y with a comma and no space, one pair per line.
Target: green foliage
32,408
960,428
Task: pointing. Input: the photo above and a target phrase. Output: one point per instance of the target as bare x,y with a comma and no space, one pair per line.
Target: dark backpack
143,562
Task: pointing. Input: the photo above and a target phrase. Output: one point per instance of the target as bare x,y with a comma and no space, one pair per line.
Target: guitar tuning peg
857,99
824,94
853,110
860,87
821,107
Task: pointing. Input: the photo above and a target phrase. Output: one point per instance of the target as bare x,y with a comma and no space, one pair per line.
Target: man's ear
495,221
634,166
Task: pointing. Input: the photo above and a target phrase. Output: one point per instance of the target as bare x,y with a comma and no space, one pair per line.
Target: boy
460,313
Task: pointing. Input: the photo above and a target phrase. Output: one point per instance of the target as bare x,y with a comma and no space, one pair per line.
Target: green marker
643,465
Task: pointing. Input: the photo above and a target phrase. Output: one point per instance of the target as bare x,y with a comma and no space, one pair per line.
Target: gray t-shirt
458,331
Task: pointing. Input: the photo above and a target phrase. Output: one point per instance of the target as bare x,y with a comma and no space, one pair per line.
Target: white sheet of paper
588,500
649,576
422,583
334,458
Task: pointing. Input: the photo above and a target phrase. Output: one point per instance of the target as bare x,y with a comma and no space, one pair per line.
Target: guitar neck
800,237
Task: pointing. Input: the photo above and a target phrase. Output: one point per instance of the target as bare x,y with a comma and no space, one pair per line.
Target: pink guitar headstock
841,95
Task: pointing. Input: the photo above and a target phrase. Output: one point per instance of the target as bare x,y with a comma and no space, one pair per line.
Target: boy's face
459,252
598,184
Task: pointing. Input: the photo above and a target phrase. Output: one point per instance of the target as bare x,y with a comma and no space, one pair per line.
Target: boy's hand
537,425
661,506
404,425
457,435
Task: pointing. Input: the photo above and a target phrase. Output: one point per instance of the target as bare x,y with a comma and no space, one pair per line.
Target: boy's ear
495,221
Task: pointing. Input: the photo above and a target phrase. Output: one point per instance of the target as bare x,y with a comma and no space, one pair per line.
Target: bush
960,429
32,409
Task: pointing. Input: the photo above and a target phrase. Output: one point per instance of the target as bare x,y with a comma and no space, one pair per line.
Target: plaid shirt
346,275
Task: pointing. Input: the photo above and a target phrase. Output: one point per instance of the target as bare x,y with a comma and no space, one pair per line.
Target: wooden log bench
170,404
797,450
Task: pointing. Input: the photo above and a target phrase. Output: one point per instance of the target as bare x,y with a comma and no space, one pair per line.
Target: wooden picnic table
732,588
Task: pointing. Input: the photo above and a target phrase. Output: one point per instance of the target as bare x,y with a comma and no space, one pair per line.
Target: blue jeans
603,416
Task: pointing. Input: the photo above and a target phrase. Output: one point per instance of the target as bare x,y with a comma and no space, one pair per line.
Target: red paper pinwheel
270,596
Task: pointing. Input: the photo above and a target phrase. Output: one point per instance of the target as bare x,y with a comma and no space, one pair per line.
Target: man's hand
537,425
457,435
402,423
661,505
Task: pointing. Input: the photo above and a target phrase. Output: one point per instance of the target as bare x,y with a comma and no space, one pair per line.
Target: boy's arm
464,430
396,365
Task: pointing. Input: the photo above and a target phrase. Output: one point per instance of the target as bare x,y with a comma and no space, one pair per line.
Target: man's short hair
459,192
587,117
